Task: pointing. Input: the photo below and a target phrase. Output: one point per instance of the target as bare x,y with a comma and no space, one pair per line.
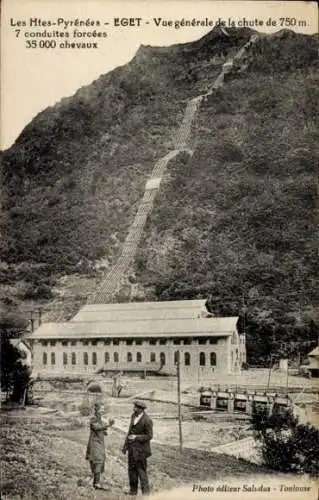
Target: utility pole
244,308
269,372
40,316
32,321
178,369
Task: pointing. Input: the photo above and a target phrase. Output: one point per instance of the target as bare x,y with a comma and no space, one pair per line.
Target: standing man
95,452
137,443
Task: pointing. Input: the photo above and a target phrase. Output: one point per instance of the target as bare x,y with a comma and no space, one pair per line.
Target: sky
33,78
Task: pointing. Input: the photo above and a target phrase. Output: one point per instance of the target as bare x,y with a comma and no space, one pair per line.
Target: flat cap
140,404
98,405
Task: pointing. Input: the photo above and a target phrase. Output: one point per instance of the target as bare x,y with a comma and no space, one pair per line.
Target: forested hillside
236,220
74,175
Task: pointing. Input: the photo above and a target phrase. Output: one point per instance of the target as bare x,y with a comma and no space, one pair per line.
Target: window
45,358
116,357
153,357
85,358
106,357
116,342
94,358
162,358
138,357
73,358
240,405
129,342
107,342
176,341
73,342
213,340
187,341
52,358
52,342
202,341
163,341
139,342
176,357
85,342
202,359
153,342
64,342
94,342
187,359
213,359
44,342
65,358
129,357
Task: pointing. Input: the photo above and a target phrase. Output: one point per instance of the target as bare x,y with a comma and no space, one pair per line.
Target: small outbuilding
312,368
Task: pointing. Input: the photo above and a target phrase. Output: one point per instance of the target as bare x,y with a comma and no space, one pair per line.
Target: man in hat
137,443
95,452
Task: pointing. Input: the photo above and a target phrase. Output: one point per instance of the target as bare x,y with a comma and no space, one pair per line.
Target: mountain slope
74,175
237,218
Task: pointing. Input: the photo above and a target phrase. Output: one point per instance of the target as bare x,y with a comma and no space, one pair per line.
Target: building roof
164,304
217,327
314,352
177,309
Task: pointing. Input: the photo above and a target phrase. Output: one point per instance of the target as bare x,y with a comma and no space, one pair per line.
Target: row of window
162,358
187,341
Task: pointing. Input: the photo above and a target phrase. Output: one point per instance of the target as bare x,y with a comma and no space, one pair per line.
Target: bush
94,387
286,445
41,291
15,376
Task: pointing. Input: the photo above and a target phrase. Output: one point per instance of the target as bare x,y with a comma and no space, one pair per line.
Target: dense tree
286,445
15,375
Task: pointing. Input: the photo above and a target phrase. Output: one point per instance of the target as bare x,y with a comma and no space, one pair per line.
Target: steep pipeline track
114,278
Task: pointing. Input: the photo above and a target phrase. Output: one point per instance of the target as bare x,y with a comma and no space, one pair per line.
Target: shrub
15,376
286,445
229,152
94,387
41,291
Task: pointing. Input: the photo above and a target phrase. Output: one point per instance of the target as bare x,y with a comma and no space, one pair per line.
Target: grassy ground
44,457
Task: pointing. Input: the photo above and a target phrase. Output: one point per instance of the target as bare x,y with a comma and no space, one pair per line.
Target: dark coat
96,448
140,448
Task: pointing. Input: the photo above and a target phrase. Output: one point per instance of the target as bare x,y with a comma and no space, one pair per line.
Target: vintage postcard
159,250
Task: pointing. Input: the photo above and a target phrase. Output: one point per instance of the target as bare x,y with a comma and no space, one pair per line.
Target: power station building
139,336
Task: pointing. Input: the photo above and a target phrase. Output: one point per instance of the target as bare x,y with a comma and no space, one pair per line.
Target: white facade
138,336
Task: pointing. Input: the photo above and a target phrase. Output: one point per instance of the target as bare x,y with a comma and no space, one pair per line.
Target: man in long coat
95,452
137,443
